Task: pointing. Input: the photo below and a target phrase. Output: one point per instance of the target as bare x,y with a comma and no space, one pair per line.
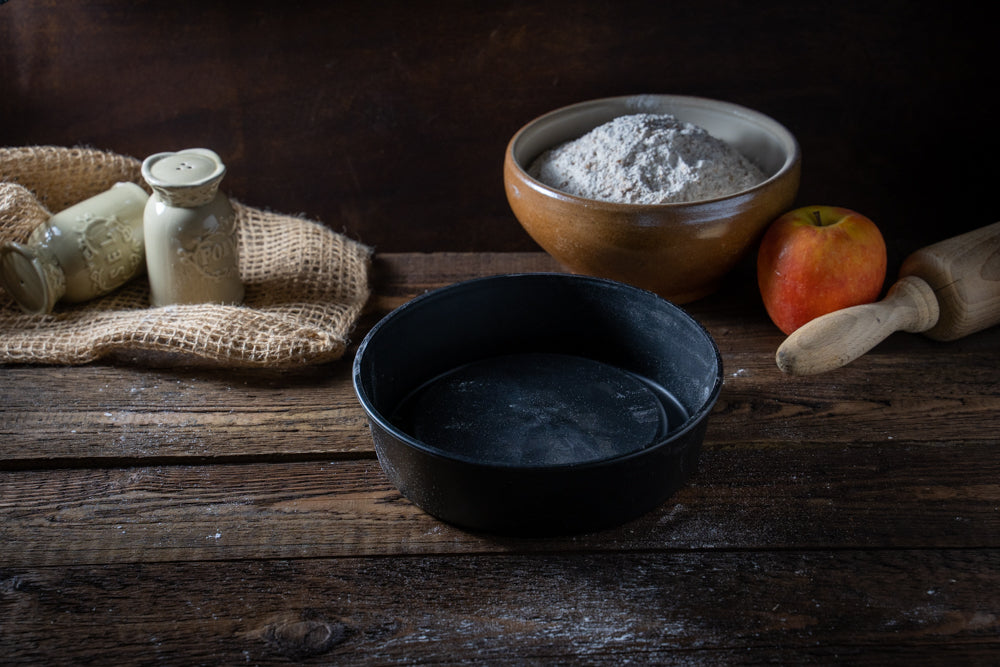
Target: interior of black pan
536,370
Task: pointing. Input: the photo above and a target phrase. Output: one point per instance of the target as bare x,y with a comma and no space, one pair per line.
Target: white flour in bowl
646,159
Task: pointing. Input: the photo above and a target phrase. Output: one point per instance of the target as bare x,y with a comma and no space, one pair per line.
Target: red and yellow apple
818,259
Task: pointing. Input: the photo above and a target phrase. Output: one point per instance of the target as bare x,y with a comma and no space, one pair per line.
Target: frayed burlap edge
306,285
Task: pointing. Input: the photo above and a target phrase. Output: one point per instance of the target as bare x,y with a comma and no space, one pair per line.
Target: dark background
388,120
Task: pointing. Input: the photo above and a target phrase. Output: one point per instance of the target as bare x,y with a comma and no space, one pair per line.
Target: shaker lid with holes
185,178
32,276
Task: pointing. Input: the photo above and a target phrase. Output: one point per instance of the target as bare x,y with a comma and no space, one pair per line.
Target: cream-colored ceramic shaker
80,253
190,230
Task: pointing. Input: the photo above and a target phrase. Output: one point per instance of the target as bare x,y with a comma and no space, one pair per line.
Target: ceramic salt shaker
80,253
190,231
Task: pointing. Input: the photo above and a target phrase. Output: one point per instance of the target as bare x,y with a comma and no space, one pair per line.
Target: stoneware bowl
538,404
681,251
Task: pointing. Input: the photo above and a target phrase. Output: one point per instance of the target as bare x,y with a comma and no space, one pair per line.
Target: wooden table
182,516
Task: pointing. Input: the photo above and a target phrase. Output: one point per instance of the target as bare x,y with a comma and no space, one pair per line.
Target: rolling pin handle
838,338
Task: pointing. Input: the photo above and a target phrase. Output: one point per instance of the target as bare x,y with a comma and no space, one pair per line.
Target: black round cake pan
538,404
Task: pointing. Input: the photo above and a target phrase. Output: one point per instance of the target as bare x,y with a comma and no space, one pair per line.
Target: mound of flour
646,159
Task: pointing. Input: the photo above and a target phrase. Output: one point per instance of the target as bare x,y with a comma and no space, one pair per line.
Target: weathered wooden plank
790,607
116,413
396,274
735,314
945,397
112,415
903,495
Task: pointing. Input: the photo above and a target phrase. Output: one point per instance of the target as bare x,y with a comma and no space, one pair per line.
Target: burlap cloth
305,284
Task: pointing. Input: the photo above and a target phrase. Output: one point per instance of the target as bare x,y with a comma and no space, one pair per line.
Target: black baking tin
446,331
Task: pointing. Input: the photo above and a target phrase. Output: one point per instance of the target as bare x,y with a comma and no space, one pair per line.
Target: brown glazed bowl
681,251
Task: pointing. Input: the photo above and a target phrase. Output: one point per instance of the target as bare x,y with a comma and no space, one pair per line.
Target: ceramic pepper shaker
80,253
190,231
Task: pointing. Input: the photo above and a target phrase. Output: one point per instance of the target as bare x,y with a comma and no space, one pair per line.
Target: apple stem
819,220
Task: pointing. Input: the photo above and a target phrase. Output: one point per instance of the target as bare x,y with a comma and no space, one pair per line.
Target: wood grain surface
389,119
179,515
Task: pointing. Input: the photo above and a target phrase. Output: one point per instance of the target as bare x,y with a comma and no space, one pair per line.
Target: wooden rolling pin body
946,291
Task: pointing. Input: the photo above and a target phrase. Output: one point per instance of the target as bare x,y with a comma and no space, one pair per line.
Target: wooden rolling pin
945,291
